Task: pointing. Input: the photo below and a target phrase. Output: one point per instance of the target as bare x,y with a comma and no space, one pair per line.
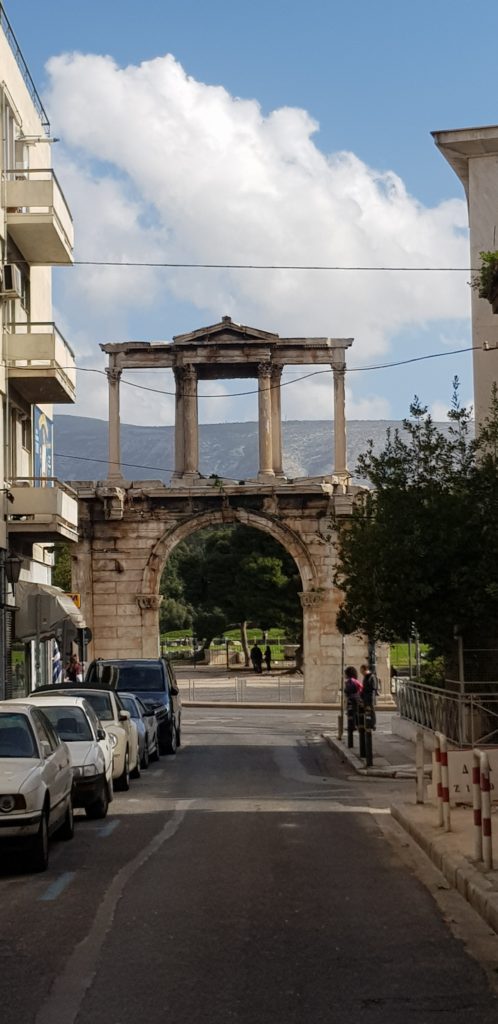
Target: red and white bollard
437,779
444,787
476,803
487,841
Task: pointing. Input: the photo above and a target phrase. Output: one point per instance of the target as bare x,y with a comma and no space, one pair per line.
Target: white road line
57,886
69,989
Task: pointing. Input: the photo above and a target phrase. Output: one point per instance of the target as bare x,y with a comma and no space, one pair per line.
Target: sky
275,133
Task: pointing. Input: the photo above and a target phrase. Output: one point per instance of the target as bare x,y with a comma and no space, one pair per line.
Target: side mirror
124,716
101,733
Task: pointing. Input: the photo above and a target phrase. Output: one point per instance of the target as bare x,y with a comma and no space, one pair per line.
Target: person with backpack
369,690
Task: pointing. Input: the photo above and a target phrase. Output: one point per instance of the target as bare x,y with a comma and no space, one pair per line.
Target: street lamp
13,566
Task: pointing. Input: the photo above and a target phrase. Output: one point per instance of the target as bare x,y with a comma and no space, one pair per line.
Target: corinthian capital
264,371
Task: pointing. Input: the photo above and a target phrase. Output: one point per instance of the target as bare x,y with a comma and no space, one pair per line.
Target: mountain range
226,449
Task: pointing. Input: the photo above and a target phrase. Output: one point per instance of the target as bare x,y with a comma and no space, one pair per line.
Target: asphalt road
249,880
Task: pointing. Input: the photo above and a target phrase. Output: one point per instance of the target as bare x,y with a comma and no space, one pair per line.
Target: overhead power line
267,266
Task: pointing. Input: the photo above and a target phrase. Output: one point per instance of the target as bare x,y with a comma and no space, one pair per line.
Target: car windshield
101,704
129,705
71,724
134,676
16,737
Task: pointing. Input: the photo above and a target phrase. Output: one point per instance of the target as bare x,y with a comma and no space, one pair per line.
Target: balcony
40,363
42,510
38,217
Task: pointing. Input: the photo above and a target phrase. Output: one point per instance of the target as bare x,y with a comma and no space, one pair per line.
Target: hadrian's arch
129,528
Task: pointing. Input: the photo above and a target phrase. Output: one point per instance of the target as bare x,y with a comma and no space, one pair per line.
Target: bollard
419,765
476,803
361,729
351,715
445,788
437,779
369,723
487,842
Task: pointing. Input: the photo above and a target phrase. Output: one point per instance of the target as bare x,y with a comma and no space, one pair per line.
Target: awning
43,610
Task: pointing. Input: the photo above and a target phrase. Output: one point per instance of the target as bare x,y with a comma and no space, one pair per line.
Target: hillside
227,449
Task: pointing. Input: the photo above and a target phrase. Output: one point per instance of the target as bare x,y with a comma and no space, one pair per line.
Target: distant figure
299,659
74,672
352,685
268,657
370,685
257,659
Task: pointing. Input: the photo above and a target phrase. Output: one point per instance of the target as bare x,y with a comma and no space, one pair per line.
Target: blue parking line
54,890
107,829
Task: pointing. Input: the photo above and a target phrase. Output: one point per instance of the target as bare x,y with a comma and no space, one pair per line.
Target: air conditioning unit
11,282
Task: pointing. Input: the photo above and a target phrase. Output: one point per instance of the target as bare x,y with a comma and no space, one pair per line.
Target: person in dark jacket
268,657
370,688
257,659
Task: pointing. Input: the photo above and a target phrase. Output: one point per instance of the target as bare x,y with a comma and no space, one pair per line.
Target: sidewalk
451,852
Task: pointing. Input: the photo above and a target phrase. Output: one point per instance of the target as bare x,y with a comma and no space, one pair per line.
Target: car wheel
170,747
98,809
135,774
66,831
144,763
123,782
155,755
38,855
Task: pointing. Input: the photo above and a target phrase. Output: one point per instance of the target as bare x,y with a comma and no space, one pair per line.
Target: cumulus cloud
161,167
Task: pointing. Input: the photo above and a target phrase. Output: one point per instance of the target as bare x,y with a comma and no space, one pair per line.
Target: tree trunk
245,643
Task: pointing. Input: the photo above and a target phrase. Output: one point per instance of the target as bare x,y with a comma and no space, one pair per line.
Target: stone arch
263,521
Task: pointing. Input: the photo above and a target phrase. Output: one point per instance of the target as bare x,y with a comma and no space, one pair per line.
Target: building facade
37,370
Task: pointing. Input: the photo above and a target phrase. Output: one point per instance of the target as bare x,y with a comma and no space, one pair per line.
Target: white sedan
74,719
36,782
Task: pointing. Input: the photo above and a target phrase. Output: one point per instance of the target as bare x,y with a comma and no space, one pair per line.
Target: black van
151,679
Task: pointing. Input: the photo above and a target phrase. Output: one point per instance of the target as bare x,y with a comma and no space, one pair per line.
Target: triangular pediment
225,333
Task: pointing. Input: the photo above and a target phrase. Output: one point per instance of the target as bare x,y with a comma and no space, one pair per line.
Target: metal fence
465,718
242,690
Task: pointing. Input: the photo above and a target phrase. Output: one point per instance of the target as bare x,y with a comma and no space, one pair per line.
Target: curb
458,871
354,761
300,705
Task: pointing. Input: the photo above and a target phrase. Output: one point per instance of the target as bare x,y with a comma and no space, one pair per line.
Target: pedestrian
74,671
257,658
352,685
268,657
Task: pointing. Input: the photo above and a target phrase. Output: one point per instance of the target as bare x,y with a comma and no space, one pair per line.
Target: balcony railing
38,217
42,509
40,362
23,68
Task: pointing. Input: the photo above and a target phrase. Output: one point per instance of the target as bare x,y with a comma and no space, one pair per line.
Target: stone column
314,670
265,421
179,432
276,419
340,456
114,469
190,424
149,605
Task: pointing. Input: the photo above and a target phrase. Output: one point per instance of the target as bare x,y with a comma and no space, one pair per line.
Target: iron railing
23,68
464,718
242,690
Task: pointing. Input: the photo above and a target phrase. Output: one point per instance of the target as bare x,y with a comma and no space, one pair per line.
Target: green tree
61,573
421,548
235,576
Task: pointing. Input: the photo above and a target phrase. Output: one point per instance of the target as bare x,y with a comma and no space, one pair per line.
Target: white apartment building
37,370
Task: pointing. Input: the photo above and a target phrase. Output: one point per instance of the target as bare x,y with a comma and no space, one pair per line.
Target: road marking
68,992
106,830
57,886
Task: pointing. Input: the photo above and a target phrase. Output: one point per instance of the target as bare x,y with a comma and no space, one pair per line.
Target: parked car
36,782
151,679
145,720
90,747
116,721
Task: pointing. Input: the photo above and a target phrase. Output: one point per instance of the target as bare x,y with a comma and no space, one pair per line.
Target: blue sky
377,78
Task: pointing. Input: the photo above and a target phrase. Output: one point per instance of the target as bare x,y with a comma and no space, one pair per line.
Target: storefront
47,626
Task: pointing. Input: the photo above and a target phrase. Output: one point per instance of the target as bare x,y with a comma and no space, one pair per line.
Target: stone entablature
127,537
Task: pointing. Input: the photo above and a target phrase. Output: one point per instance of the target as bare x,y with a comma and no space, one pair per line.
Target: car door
104,743
56,766
130,729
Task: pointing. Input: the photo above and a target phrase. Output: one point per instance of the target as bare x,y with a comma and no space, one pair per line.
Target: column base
185,479
266,476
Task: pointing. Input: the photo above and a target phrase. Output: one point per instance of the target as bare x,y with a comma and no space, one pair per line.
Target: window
26,433
71,724
16,737
44,730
